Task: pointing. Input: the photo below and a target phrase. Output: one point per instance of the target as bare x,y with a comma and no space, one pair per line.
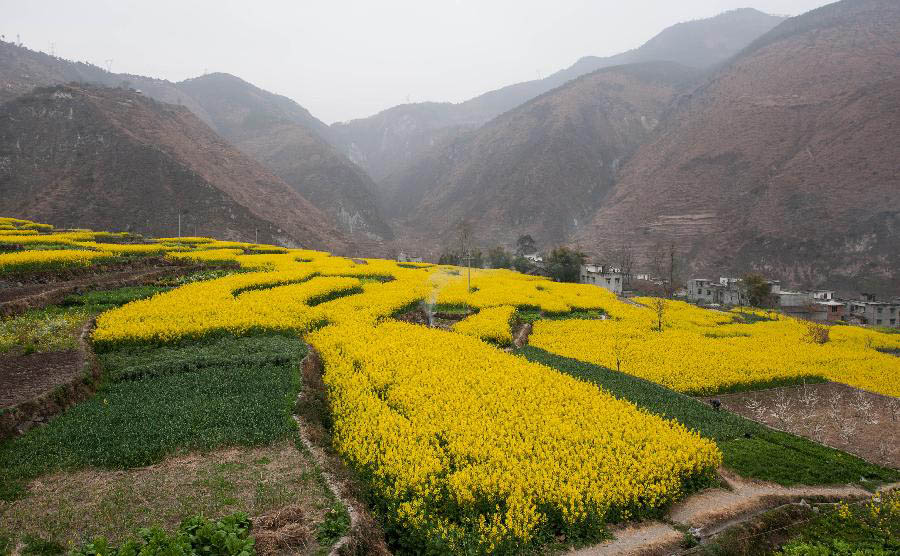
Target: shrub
229,536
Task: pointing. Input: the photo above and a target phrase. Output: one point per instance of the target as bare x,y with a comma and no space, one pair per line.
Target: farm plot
853,420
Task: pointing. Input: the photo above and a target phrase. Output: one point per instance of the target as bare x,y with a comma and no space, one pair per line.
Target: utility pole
179,223
469,267
257,236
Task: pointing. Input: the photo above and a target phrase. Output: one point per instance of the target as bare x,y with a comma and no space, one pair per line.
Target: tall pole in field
179,223
469,271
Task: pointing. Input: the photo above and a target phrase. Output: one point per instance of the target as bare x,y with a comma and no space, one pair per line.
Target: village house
605,277
876,313
404,258
726,291
817,305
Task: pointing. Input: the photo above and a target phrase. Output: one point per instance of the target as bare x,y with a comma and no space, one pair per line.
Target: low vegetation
871,529
229,536
141,415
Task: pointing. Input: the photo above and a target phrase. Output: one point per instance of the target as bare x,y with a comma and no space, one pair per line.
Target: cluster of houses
815,305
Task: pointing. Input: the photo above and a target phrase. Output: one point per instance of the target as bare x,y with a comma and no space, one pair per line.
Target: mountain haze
274,130
542,168
387,141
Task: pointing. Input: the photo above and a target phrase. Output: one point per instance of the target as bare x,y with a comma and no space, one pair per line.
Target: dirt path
522,335
653,537
712,511
363,535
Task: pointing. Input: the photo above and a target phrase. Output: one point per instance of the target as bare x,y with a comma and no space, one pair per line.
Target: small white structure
535,257
605,277
727,291
404,258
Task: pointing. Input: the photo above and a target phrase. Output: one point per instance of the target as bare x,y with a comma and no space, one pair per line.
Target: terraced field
441,439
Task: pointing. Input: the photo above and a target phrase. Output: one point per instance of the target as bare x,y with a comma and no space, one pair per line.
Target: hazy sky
345,59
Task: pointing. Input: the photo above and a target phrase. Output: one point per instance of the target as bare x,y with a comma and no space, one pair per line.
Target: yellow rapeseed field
459,436
703,351
469,448
491,324
60,258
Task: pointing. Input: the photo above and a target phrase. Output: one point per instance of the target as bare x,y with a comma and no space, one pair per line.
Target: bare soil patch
277,485
25,377
521,333
837,415
38,386
652,538
31,292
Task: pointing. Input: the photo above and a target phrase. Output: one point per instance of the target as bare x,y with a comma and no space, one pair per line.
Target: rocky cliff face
542,168
105,158
384,144
785,161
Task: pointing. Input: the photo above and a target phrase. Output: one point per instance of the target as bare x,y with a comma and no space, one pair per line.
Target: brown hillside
272,129
287,139
111,159
787,161
542,168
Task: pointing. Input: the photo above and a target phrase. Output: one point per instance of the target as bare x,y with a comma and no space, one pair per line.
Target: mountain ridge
385,142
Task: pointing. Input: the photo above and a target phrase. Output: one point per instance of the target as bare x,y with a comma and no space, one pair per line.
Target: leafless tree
782,408
757,408
895,410
846,428
659,307
623,257
861,403
673,264
464,236
834,406
818,430
657,256
808,396
620,350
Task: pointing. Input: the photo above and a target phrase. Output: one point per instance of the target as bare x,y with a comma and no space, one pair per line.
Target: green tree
525,245
564,264
498,257
755,290
449,257
521,264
